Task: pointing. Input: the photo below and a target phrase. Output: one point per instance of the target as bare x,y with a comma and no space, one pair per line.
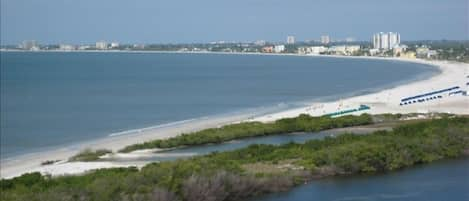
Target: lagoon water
280,139
446,180
51,98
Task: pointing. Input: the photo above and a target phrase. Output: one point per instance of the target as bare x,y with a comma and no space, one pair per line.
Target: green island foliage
302,123
222,176
89,155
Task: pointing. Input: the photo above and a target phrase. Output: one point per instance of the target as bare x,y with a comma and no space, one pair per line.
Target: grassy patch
302,123
254,170
49,162
89,155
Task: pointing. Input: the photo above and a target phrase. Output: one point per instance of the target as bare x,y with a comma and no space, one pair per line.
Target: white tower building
290,39
325,39
386,41
102,45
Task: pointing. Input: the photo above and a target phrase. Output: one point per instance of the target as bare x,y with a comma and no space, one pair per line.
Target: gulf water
54,98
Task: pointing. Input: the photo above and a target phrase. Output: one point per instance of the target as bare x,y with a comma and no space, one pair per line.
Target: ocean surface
51,99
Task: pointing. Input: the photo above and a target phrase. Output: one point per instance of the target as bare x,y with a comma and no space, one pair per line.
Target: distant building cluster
273,49
103,45
425,52
338,50
383,44
29,45
386,41
66,47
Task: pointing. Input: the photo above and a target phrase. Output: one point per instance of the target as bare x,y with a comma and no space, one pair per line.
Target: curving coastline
381,102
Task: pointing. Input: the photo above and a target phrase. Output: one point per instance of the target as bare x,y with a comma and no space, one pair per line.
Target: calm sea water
50,99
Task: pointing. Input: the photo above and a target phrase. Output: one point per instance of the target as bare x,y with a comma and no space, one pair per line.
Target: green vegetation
89,155
302,123
452,50
49,162
232,176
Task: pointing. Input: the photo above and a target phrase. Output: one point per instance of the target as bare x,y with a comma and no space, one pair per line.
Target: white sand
386,101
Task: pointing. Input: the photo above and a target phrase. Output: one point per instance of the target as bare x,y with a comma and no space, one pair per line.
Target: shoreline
448,75
387,100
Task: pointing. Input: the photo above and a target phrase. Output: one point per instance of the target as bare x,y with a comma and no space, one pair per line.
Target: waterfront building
399,49
344,49
114,45
84,47
386,41
432,53
408,55
318,49
139,46
325,39
314,50
29,45
279,48
394,39
101,45
376,41
373,52
337,49
425,52
422,52
66,47
268,49
303,50
290,39
352,48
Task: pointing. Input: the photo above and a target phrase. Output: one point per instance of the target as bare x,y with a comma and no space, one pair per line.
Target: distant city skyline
88,21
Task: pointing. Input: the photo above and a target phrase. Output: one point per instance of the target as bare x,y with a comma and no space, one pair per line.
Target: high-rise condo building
29,45
325,39
386,41
394,39
290,39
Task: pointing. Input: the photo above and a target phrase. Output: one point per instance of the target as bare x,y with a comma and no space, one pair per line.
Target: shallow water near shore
50,99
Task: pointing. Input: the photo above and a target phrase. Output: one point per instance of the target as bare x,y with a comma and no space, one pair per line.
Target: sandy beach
388,100
385,101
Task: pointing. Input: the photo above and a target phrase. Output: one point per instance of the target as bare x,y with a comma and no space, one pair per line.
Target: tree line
227,176
302,123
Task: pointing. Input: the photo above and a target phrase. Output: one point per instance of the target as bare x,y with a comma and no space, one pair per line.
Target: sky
188,21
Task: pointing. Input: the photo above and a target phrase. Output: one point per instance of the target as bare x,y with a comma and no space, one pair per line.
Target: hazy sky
173,21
